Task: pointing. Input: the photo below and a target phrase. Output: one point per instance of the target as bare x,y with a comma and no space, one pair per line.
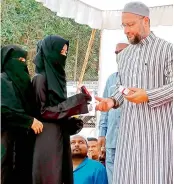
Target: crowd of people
40,143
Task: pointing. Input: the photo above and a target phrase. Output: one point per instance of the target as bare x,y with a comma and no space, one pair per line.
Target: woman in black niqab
52,155
17,117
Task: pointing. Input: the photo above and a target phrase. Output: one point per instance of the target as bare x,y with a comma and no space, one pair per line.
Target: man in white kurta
144,147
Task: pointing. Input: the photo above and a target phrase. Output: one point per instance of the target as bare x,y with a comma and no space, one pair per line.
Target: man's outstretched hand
104,104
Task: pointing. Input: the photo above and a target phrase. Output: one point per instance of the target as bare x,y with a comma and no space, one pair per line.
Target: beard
135,40
78,154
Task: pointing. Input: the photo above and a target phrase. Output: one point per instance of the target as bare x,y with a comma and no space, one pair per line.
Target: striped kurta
144,147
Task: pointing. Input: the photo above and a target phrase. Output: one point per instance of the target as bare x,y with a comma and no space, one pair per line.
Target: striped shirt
109,121
144,146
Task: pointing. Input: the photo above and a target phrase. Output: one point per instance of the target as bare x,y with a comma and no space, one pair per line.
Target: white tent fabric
102,14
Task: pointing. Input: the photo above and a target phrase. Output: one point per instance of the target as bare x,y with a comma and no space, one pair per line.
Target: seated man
85,171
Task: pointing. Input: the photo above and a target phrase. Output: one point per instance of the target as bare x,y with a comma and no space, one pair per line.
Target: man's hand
90,155
139,96
105,104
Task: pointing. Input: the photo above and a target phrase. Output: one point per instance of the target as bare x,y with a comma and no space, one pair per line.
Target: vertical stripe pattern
144,147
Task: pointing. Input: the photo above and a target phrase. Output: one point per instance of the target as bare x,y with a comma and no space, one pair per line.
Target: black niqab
50,63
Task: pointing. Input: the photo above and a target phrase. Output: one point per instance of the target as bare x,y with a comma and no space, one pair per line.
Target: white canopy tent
106,16
102,14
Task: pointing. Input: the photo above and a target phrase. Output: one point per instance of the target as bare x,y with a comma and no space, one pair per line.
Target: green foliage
25,22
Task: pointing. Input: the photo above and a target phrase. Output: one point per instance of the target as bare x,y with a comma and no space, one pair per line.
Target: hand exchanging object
105,104
138,96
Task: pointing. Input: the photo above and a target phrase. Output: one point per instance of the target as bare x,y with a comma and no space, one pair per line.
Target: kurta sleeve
74,105
14,119
164,94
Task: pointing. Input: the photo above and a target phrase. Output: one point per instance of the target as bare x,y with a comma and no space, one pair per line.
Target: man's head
93,150
135,21
79,147
120,46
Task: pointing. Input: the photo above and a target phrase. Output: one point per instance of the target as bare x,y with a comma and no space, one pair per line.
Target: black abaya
52,154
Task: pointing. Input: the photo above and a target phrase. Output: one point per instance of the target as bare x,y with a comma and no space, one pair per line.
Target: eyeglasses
131,24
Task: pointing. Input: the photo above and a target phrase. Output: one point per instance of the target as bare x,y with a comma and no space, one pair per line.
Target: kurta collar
148,39
82,164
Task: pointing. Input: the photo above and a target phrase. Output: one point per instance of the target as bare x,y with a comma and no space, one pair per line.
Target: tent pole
90,43
76,58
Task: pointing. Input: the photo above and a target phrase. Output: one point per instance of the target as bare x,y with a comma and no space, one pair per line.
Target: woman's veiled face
64,50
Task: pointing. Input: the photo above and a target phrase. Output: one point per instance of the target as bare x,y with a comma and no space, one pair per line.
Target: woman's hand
37,126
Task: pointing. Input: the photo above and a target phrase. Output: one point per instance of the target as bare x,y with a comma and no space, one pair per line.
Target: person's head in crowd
121,45
135,21
93,150
79,147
